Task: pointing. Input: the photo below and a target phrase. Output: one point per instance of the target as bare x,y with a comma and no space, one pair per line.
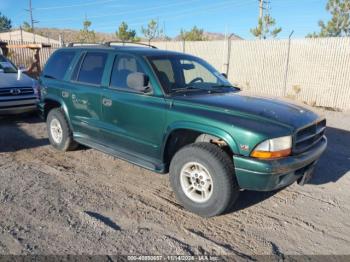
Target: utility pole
267,15
32,21
261,16
261,9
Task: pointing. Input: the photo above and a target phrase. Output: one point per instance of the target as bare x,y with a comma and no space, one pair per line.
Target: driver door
133,121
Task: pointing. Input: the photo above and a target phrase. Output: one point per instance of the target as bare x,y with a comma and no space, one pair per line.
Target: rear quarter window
58,64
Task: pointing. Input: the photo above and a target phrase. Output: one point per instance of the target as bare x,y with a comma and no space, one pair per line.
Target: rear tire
60,134
203,179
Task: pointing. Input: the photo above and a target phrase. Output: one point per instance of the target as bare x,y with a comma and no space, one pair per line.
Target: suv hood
10,80
290,115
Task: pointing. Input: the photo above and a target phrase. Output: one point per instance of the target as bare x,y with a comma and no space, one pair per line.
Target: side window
58,64
165,72
122,67
92,68
164,67
77,67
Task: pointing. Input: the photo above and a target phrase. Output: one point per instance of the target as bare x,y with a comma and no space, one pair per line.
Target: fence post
20,28
229,43
183,46
61,41
287,65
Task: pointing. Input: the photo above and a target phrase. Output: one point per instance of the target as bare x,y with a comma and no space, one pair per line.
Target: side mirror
138,81
188,66
224,75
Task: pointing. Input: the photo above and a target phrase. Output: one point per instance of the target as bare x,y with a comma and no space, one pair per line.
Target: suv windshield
182,73
6,65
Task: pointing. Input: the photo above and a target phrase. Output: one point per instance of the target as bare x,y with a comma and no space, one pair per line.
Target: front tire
60,134
202,177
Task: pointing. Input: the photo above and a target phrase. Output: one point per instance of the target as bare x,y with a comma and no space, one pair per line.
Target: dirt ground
86,202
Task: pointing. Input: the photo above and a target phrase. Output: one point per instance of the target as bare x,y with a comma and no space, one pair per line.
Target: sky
221,16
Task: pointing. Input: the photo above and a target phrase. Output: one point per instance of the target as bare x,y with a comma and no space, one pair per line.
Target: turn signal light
271,155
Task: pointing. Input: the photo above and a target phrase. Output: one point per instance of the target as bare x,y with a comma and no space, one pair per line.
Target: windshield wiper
225,86
184,89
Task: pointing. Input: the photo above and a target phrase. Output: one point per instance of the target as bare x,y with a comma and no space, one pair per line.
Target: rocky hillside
70,35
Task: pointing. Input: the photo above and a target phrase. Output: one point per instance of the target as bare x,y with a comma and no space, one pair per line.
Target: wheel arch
195,129
51,102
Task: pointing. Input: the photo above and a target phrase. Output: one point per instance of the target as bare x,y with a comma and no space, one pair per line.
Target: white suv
18,92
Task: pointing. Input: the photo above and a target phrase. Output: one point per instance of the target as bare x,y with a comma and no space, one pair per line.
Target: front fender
206,129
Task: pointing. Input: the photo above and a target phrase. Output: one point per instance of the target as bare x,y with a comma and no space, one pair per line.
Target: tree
86,35
26,27
5,23
339,25
195,34
126,35
266,28
152,31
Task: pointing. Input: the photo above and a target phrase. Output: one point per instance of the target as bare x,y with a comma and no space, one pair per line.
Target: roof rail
132,43
72,44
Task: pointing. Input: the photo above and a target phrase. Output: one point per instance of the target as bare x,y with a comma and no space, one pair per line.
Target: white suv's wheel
60,135
203,179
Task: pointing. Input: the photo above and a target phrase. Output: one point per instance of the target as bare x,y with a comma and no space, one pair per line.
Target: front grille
16,91
309,136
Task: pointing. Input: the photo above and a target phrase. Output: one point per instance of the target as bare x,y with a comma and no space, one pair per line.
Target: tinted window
92,68
77,67
123,66
59,64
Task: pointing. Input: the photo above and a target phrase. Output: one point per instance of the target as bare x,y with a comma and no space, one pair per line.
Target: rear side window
58,64
92,68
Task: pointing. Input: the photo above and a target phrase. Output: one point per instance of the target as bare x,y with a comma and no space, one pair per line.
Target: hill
70,35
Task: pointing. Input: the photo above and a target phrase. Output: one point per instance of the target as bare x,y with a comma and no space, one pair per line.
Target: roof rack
72,44
124,43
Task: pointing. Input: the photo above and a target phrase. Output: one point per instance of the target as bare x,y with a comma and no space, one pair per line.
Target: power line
75,5
122,13
183,12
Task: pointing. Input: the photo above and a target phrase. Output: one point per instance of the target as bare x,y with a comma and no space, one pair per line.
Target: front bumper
18,110
17,104
269,175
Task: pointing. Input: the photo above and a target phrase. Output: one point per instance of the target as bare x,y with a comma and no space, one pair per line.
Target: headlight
273,148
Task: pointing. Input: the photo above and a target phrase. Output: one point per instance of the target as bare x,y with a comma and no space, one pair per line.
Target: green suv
173,112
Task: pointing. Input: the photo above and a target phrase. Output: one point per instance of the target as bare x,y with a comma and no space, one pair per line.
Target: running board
129,157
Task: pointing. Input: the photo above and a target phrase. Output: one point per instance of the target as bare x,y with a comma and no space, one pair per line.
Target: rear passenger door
133,121
85,95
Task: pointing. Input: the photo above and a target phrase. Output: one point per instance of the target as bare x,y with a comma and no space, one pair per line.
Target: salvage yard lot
86,202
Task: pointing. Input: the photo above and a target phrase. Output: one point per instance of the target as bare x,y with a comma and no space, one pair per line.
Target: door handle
107,102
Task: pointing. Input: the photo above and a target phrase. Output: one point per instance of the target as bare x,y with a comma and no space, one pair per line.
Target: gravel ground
86,202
